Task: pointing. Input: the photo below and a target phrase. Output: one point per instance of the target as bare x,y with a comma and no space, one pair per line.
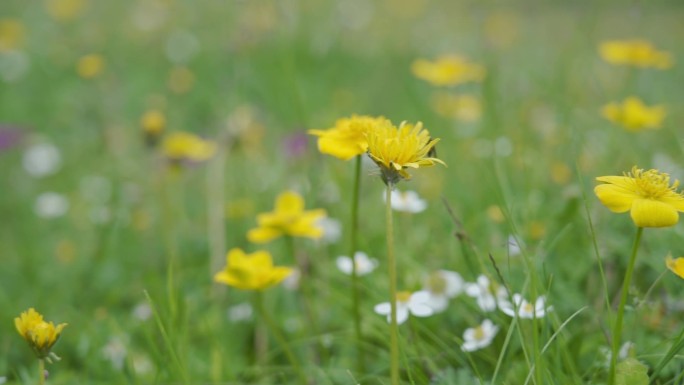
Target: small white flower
625,350
41,160
407,303
485,293
479,337
523,309
240,312
51,205
115,351
364,265
442,285
407,201
332,230
142,311
513,246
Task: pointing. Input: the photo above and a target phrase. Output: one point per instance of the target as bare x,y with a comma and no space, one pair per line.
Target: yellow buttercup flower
637,53
184,146
675,265
396,149
448,70
634,115
40,335
288,218
90,66
647,195
348,138
251,271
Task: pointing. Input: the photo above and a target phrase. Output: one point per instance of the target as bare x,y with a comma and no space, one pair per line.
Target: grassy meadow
109,228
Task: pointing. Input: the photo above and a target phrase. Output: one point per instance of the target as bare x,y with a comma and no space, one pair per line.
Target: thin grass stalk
392,269
617,331
353,228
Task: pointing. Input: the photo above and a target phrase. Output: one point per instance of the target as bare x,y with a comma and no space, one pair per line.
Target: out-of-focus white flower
407,303
51,205
142,311
332,229
441,286
513,246
407,201
41,160
364,265
115,351
142,364
240,312
479,337
524,309
486,293
292,281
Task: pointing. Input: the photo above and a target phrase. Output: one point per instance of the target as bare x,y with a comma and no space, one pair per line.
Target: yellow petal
651,213
261,259
342,149
675,265
289,202
263,234
615,197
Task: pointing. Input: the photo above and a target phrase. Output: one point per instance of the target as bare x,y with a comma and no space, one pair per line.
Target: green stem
392,266
41,368
353,227
617,332
259,304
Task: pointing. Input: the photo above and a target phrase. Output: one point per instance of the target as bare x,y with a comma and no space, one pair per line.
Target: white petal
402,315
454,283
469,346
421,310
344,263
438,303
383,308
421,296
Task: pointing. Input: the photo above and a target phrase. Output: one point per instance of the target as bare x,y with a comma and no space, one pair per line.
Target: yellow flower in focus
65,10
466,108
184,146
288,218
348,138
12,34
396,149
40,335
675,265
90,66
638,53
633,115
251,271
448,71
647,195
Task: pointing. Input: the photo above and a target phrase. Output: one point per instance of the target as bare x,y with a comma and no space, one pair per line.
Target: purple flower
9,136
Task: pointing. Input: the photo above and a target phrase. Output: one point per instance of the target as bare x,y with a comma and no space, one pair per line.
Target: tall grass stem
353,228
392,269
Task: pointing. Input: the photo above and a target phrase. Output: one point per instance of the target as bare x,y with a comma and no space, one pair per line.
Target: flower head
523,309
634,115
407,303
486,293
364,265
348,138
90,66
40,335
184,146
407,201
251,271
647,195
448,70
396,149
479,337
288,218
152,124
441,286
675,265
637,53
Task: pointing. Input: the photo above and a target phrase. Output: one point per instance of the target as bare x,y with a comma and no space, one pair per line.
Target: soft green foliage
253,76
631,372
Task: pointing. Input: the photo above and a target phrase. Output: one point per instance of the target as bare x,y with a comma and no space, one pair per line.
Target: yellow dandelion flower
348,138
184,146
251,271
288,218
396,149
634,115
40,335
448,71
12,34
647,195
90,66
675,265
637,53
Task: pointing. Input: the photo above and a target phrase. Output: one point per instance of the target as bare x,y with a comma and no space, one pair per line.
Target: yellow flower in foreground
288,218
675,265
396,149
251,271
647,195
180,146
348,138
40,335
638,53
448,71
90,66
633,115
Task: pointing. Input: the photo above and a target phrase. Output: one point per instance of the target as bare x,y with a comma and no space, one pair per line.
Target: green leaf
631,372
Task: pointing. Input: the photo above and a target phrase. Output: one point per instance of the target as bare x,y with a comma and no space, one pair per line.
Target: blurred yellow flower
396,149
647,195
288,218
637,52
184,146
448,70
466,108
40,335
633,115
152,123
90,66
675,265
251,271
65,10
12,34
348,138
